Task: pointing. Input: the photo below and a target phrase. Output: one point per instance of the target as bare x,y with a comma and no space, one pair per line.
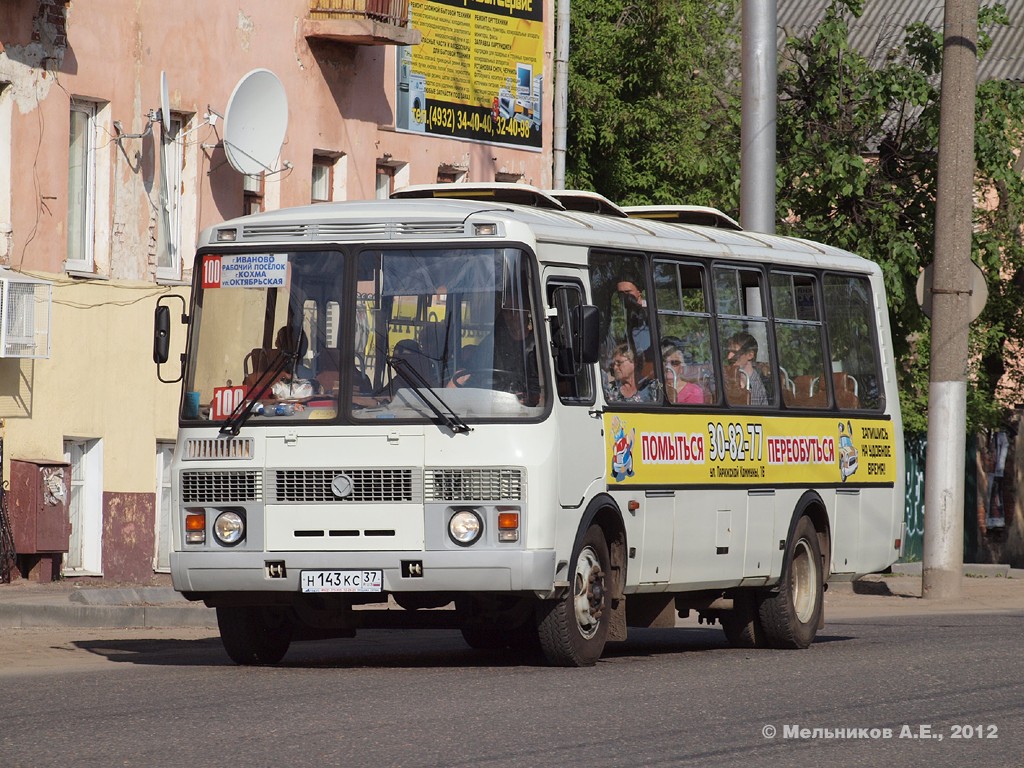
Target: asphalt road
667,698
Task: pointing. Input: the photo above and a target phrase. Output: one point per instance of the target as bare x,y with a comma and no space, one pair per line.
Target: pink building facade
87,222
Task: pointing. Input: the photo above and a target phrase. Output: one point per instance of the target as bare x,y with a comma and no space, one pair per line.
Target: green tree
648,98
857,156
654,118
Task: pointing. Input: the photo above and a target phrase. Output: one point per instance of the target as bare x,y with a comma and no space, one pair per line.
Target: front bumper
462,571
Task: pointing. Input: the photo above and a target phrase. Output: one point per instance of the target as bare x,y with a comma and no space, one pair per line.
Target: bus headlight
465,527
229,528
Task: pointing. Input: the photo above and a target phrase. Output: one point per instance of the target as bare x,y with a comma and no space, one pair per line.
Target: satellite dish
165,104
255,122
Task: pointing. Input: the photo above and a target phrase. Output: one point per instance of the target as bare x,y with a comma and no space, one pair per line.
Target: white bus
539,426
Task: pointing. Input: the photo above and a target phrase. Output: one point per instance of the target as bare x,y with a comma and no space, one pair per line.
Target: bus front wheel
254,635
790,615
573,629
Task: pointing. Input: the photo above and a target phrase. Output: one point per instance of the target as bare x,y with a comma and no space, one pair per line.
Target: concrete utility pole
758,71
947,388
561,105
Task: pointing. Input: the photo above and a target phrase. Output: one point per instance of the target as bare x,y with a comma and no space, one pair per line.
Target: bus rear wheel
574,629
790,615
254,635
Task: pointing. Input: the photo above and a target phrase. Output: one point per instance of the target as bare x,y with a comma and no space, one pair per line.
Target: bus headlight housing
465,527
229,528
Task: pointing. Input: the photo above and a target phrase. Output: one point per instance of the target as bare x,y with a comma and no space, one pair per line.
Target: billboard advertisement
687,449
477,75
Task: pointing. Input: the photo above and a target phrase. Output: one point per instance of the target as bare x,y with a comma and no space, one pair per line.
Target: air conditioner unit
25,312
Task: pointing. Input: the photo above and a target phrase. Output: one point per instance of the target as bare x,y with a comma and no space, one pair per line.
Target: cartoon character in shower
622,450
847,452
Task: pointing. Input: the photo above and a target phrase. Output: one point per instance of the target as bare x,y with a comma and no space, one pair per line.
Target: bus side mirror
585,333
161,333
162,336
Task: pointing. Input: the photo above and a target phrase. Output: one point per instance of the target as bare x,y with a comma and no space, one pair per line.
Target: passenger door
580,440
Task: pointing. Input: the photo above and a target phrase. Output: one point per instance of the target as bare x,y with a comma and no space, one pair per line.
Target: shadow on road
391,649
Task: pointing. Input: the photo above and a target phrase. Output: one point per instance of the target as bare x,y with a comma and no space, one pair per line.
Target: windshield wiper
236,420
422,388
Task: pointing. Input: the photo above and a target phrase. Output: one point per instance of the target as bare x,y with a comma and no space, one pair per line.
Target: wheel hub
589,593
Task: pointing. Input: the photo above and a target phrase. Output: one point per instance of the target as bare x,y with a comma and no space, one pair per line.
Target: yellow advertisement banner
672,449
478,73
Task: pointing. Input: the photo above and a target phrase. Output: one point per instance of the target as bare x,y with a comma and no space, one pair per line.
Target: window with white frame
172,158
81,225
162,556
6,186
385,181
322,186
85,508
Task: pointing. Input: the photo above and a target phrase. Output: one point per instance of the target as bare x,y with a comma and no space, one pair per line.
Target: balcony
360,22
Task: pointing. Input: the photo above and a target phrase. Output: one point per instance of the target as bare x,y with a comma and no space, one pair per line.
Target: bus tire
573,630
254,635
790,614
742,624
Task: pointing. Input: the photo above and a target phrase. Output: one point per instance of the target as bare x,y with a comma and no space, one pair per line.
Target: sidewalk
984,589
24,604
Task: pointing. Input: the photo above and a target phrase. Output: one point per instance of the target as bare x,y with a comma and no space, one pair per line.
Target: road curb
15,616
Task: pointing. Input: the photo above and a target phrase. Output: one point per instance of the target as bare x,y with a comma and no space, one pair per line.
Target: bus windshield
417,333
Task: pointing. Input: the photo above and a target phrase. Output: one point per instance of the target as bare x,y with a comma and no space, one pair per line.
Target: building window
85,508
385,181
322,187
172,159
252,190
162,556
81,187
6,186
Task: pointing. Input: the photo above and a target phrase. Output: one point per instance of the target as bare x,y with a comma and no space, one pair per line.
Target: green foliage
835,108
654,117
647,103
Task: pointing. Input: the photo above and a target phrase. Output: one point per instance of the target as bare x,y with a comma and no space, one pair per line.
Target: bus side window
619,284
800,338
684,328
749,374
853,349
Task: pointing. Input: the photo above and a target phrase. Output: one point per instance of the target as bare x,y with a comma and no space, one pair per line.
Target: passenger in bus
623,387
741,352
636,318
678,389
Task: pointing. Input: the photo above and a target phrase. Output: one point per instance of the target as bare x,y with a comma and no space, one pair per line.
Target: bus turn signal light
508,526
508,521
195,528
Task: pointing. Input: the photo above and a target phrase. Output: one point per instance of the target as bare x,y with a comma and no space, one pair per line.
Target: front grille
482,484
219,487
353,230
368,485
218,448
273,232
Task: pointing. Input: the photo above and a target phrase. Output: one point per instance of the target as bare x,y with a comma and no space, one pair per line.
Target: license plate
341,581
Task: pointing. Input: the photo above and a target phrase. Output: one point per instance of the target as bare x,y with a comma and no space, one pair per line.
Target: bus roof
433,220
702,215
